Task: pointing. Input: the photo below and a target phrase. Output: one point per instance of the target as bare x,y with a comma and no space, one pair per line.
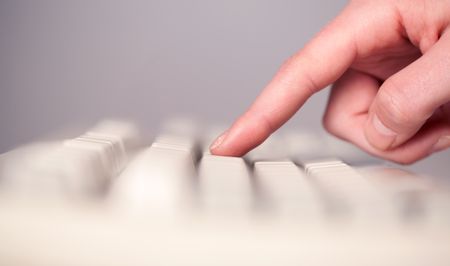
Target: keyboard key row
171,176
79,167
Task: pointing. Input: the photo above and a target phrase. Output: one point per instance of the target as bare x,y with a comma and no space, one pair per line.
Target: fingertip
218,141
245,134
218,147
232,142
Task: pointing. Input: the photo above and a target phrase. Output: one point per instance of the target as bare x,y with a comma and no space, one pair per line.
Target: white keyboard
105,198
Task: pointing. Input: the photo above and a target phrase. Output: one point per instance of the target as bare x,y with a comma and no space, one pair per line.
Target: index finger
323,60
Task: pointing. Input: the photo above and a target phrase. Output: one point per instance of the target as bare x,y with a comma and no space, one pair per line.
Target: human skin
389,63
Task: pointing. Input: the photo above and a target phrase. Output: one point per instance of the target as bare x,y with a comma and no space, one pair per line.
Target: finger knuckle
328,124
395,107
332,122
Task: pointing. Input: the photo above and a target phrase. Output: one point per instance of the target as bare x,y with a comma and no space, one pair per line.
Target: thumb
407,99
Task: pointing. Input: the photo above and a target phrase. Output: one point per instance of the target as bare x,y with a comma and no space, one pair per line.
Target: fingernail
442,144
383,137
218,141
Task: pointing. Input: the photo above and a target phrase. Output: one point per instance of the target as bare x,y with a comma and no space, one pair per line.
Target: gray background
72,62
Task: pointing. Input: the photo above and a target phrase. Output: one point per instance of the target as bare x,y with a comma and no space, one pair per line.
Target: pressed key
225,185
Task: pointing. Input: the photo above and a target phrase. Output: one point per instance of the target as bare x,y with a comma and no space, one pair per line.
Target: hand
389,61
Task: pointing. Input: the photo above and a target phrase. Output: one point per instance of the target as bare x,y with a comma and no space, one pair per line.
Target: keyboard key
324,212
285,192
347,193
159,179
416,198
55,171
125,132
225,185
174,142
103,151
74,168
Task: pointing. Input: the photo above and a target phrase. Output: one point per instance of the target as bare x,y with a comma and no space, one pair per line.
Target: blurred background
66,63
